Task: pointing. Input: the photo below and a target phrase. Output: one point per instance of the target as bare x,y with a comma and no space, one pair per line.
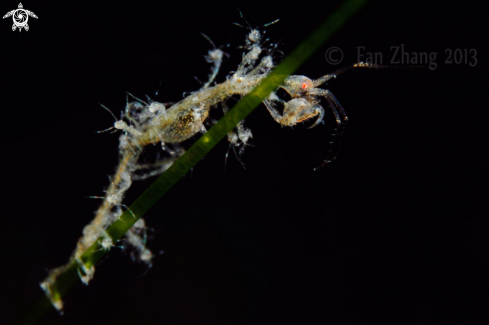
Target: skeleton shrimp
152,122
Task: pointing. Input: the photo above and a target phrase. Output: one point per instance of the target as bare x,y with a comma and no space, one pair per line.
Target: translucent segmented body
185,119
145,123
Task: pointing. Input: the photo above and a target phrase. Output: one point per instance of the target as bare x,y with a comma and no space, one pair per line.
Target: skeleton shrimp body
143,123
186,118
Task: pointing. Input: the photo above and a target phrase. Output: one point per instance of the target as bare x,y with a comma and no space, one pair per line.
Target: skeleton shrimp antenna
273,47
249,26
208,39
139,100
325,78
270,23
214,45
159,87
241,14
149,99
115,119
122,205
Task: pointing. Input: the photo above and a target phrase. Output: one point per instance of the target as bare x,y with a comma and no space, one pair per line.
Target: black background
394,232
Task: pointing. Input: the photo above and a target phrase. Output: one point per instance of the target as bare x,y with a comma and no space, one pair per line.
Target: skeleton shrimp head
107,243
254,37
297,86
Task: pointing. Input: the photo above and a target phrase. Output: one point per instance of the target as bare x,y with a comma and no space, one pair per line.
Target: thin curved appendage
320,117
214,56
341,121
89,272
121,204
139,100
327,77
115,119
242,17
231,144
270,23
154,169
108,129
273,111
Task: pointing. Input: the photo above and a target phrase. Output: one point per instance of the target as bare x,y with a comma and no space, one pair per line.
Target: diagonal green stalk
197,151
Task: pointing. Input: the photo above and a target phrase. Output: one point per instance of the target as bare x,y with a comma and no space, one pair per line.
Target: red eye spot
304,85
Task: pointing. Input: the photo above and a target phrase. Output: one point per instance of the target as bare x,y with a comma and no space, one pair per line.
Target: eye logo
20,17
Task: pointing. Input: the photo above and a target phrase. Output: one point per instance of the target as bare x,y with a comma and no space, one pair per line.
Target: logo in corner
20,17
